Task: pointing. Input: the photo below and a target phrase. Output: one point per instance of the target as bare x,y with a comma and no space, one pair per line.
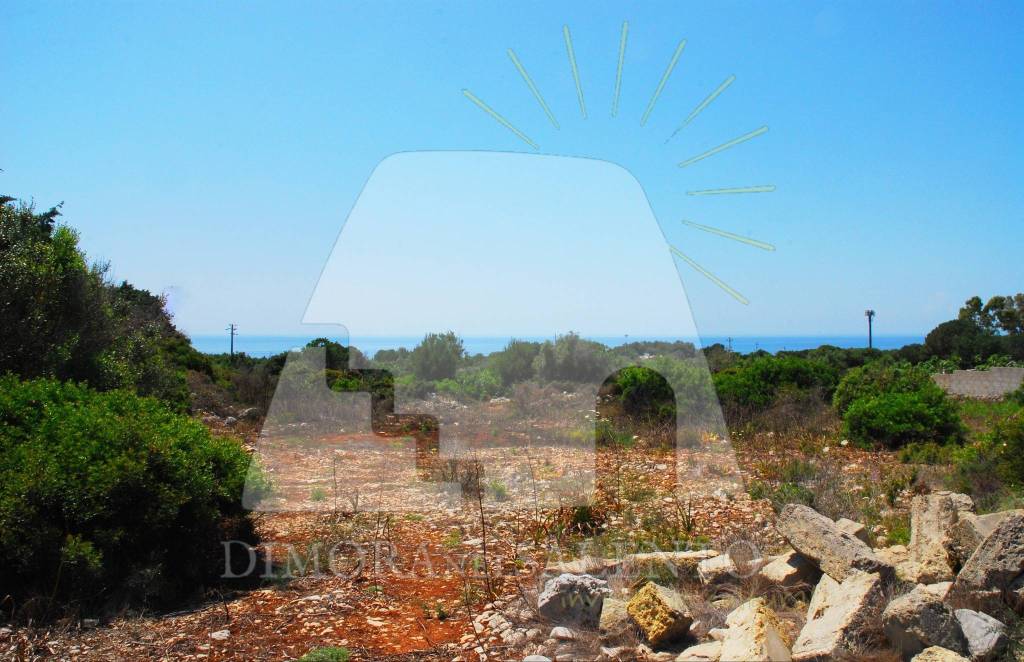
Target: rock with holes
838,615
660,613
790,571
986,636
834,551
920,620
573,600
932,518
938,654
754,634
995,571
707,652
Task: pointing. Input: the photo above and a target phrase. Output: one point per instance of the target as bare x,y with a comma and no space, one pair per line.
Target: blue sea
262,346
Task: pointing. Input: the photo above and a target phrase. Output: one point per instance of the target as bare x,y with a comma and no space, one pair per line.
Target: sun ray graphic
651,104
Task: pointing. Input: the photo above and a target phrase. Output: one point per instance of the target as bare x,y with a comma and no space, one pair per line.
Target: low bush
109,499
471,385
877,378
895,419
328,654
754,385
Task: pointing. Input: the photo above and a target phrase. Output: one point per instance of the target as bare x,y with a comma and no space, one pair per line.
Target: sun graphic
614,110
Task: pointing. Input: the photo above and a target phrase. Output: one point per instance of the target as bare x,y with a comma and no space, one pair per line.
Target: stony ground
422,578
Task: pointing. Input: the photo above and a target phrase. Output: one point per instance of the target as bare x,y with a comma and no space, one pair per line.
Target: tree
962,340
515,363
437,356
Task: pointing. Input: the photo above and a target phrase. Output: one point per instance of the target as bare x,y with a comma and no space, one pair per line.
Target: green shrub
515,363
437,356
329,654
877,378
471,385
109,499
645,393
895,419
753,385
790,493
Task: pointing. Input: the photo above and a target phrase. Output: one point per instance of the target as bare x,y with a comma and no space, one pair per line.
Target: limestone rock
919,620
573,599
995,569
970,531
723,568
660,613
790,571
986,636
816,537
679,563
838,614
615,622
938,654
855,529
754,634
932,518
707,652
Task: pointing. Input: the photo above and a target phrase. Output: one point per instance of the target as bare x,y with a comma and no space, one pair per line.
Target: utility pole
870,314
233,330
729,339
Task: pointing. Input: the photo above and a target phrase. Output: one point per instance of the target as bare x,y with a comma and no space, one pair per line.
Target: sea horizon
262,346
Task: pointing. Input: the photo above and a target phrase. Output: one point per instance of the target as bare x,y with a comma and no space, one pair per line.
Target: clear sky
213,150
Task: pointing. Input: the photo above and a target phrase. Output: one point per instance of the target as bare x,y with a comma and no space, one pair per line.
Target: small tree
437,356
515,363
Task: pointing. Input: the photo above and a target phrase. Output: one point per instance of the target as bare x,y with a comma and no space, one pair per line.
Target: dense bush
61,318
471,385
515,363
109,498
876,378
754,384
897,418
437,356
644,393
573,359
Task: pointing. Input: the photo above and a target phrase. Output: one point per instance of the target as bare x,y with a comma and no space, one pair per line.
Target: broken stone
919,620
932,518
680,564
994,571
855,529
986,636
573,599
790,571
660,613
938,654
723,568
563,633
754,634
615,622
834,551
838,614
220,635
707,652
969,532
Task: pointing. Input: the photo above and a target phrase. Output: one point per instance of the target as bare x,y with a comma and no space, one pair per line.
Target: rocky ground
652,567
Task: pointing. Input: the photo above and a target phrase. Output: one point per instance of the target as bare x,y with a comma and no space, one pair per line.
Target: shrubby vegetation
110,498
62,318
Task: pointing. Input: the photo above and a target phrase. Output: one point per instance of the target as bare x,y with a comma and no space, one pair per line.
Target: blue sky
213,151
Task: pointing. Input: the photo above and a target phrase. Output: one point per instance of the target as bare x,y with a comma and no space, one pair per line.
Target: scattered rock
562,633
790,571
986,636
536,658
573,599
995,568
838,614
754,634
816,537
660,613
680,563
855,529
230,420
718,634
220,635
249,414
723,568
932,518
919,620
707,652
938,654
615,622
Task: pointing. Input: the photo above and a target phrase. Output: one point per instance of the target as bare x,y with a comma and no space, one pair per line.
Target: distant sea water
263,346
